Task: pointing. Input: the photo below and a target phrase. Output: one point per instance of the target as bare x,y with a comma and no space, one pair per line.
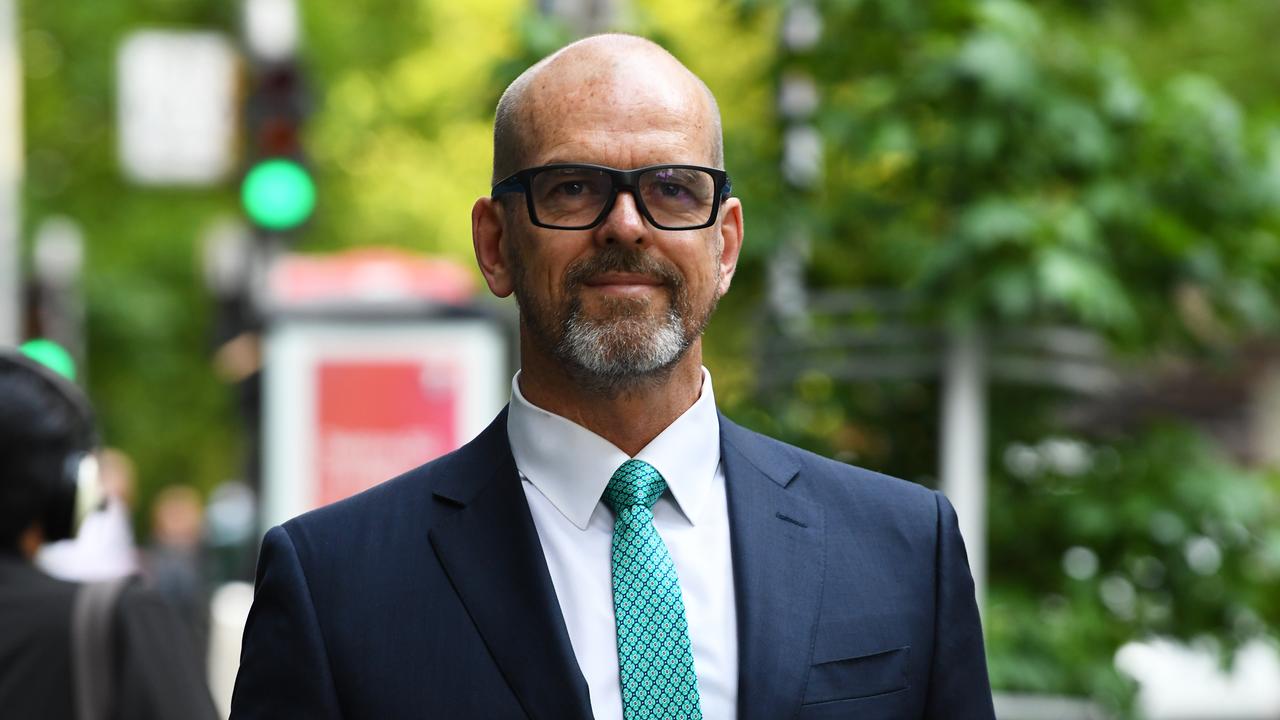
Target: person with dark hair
97,651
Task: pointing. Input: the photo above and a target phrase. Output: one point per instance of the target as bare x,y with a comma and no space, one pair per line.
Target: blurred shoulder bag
93,643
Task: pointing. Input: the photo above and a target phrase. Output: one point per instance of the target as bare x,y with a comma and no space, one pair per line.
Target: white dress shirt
565,468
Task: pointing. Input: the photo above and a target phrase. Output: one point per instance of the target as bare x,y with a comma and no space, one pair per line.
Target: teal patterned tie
655,659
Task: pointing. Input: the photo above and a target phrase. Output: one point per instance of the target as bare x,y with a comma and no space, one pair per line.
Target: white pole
10,175
964,446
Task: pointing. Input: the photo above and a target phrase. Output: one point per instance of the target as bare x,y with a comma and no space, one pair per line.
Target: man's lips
623,284
624,279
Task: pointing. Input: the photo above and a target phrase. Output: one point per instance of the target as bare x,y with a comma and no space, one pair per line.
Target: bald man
611,546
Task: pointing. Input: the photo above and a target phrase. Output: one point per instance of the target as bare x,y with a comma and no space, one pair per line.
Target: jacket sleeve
284,667
958,683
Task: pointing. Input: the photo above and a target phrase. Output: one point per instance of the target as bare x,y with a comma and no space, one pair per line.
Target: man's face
621,314
623,301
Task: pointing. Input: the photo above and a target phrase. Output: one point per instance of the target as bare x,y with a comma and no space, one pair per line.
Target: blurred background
1028,253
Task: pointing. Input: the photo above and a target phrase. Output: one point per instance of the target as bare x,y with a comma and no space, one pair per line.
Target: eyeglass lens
574,197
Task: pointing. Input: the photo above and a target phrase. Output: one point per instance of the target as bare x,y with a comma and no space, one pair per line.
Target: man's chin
624,351
610,375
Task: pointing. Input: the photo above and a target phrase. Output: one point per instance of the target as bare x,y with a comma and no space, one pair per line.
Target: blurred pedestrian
93,651
174,561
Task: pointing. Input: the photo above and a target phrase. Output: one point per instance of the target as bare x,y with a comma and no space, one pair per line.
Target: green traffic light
278,194
51,355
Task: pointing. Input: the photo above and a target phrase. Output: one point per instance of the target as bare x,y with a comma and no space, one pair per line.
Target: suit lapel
777,540
490,550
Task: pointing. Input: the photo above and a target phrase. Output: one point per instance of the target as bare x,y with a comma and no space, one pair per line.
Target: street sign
176,107
375,361
349,403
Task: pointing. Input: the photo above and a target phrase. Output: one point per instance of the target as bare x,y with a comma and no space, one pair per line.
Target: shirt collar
571,465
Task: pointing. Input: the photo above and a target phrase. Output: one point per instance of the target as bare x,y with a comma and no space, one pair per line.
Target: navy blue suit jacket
428,597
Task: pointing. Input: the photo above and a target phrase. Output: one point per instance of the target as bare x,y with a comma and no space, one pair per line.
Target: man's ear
30,540
731,234
489,236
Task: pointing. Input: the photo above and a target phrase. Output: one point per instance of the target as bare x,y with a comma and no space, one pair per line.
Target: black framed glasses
567,196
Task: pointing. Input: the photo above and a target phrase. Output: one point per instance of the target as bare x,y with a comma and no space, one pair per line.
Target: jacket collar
489,548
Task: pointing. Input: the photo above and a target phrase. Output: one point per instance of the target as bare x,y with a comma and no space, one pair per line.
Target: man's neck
629,417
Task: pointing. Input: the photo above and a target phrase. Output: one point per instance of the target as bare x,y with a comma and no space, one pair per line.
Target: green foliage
1007,172
402,131
1097,542
1227,40
147,314
1051,646
882,425
1005,164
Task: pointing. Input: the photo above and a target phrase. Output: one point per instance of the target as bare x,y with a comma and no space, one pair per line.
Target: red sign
379,418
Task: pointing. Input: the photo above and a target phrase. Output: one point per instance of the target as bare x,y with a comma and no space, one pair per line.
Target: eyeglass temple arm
511,184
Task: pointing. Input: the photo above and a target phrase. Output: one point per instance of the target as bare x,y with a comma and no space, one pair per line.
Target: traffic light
278,193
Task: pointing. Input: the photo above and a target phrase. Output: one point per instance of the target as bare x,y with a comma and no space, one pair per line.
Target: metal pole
801,166
964,445
10,175
57,254
584,17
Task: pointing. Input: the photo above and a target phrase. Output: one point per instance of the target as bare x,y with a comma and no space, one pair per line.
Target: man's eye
672,190
571,188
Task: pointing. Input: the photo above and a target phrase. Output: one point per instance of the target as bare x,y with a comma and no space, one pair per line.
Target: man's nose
624,223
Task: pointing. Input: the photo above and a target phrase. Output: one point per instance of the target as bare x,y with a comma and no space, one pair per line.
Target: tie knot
636,482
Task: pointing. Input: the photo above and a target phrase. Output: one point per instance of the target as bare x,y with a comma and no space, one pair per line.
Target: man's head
619,303
607,67
45,425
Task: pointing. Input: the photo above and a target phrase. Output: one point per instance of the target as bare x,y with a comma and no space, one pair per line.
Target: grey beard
628,349
622,354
